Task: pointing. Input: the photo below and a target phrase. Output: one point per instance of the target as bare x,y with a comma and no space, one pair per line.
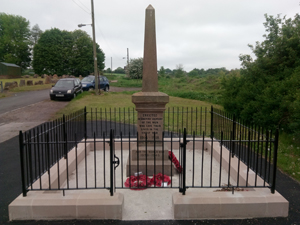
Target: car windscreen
65,83
88,79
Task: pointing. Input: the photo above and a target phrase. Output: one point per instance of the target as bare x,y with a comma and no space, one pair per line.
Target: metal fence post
111,189
183,162
233,135
211,121
65,137
85,125
275,161
24,190
1,86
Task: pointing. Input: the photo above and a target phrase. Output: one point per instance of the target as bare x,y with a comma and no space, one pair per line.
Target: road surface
22,99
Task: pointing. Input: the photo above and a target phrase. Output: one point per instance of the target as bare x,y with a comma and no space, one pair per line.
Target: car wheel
91,89
106,88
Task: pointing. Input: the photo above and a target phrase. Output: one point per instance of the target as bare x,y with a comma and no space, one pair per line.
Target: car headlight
51,91
69,91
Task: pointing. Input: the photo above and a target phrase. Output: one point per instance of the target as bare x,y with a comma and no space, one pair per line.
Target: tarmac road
21,99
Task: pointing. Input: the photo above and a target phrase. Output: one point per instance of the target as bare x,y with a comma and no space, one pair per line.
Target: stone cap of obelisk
150,92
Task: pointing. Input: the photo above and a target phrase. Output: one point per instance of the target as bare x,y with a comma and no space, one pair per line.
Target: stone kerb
22,83
62,168
10,85
29,83
48,80
234,162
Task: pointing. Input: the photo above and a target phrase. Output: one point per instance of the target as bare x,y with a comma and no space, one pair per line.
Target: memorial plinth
150,155
150,107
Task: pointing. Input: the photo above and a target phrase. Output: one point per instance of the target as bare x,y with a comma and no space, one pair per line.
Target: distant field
202,88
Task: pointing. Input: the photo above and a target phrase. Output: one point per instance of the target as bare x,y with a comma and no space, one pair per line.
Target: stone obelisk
149,157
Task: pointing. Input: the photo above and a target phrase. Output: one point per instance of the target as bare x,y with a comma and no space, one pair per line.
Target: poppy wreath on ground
174,160
157,180
140,182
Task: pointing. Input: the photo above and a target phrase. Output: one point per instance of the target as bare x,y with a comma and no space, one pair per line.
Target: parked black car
88,83
66,88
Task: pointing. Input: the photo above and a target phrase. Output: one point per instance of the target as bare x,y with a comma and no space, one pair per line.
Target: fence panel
80,141
124,120
43,146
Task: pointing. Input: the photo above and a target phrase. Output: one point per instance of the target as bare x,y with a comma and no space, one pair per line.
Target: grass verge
202,88
289,155
121,100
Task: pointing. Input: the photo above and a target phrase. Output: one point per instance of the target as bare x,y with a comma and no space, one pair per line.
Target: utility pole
128,62
94,49
110,65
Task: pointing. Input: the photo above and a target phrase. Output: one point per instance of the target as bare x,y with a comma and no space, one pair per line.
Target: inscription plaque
150,124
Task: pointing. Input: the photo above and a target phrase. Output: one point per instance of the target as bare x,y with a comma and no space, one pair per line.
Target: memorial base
149,162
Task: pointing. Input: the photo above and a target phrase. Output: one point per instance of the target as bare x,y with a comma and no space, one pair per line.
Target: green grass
289,155
121,100
116,102
2,95
204,89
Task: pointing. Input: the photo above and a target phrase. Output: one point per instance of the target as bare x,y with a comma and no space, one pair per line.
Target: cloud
195,33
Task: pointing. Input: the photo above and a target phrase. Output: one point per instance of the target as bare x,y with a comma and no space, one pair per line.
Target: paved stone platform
149,204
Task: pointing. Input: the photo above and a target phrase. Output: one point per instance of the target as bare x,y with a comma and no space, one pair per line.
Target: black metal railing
124,120
253,145
58,155
43,146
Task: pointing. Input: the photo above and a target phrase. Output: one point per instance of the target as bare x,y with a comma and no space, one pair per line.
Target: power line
107,42
81,8
84,5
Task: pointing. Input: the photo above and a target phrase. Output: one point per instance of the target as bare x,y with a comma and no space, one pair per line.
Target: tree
267,90
14,40
194,73
168,71
35,33
162,71
119,70
136,68
179,71
81,61
52,53
63,52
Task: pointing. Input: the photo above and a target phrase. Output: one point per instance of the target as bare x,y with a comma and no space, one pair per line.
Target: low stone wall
10,85
53,205
207,204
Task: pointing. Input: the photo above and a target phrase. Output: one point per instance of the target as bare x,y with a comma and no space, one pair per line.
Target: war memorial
138,178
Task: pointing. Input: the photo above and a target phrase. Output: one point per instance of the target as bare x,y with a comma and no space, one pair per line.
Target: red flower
159,178
174,160
140,182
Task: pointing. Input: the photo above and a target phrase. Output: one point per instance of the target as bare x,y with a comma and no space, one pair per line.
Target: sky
192,33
